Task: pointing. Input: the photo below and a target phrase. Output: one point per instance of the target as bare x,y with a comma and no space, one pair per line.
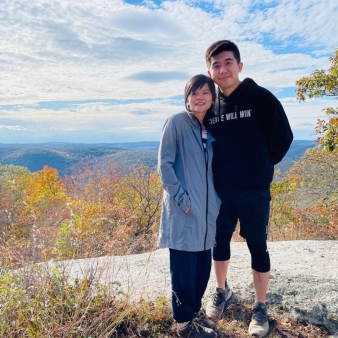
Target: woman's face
200,100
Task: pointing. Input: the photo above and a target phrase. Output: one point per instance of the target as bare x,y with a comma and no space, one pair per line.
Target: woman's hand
187,210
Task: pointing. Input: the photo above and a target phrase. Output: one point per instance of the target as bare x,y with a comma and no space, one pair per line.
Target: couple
229,139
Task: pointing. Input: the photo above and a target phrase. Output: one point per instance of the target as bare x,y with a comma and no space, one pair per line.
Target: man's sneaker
259,325
203,320
216,304
193,330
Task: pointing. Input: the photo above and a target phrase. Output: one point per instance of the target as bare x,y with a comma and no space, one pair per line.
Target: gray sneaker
216,304
195,330
203,320
259,325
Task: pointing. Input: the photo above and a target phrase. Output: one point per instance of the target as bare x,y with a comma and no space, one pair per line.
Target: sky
106,71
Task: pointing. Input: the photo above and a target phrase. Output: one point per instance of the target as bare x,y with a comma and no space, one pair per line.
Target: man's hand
187,210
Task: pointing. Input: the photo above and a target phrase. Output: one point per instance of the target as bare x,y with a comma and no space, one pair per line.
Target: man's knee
260,258
221,249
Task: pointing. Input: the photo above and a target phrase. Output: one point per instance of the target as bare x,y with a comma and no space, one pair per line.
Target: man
252,134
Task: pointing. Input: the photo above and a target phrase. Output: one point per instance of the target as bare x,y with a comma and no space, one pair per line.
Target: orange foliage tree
142,193
10,197
100,210
323,83
315,207
283,194
316,173
111,212
36,203
94,211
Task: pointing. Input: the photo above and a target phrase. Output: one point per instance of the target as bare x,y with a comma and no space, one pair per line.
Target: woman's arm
166,163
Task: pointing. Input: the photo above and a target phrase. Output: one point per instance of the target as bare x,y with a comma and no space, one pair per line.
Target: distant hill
296,151
144,145
35,157
64,156
298,148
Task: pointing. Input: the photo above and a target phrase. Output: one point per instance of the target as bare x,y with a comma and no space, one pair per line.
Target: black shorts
251,208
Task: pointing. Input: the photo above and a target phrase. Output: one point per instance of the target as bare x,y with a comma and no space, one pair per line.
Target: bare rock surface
303,283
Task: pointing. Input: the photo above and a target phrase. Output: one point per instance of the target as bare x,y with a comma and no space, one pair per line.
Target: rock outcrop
303,282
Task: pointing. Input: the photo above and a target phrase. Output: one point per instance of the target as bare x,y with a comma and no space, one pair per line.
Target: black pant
190,272
250,207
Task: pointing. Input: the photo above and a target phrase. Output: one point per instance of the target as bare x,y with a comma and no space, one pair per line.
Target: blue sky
113,71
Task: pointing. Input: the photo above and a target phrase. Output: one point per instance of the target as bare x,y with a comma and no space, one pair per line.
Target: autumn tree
32,205
323,83
283,193
316,174
94,211
11,191
112,211
142,192
316,205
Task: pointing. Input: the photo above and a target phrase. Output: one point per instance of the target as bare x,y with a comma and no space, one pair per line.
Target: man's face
224,71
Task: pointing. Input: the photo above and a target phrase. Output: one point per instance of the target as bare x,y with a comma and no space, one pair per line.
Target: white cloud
93,122
304,23
18,128
136,128
70,50
303,116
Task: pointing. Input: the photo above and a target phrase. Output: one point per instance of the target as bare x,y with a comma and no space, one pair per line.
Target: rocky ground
303,282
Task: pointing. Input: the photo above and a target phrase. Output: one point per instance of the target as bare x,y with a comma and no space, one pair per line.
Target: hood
192,120
244,86
247,85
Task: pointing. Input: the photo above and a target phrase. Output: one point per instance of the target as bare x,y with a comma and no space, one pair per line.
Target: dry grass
41,302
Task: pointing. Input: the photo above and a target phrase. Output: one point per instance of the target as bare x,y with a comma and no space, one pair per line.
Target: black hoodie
252,134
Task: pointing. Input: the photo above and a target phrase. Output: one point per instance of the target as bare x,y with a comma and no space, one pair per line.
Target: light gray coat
187,181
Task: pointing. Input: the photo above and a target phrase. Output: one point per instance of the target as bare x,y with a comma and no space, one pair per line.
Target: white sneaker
259,325
216,304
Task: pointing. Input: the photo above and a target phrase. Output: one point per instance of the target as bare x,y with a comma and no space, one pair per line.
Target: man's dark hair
196,82
222,46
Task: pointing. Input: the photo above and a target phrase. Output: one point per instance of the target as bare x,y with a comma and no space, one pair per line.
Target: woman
190,206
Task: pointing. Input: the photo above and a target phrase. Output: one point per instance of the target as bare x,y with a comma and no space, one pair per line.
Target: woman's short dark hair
197,82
